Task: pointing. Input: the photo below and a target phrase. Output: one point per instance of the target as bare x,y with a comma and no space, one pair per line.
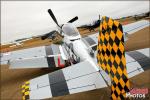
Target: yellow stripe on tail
111,56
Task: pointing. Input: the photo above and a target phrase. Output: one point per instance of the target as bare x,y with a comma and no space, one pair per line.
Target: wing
91,40
77,78
81,77
138,61
136,26
37,57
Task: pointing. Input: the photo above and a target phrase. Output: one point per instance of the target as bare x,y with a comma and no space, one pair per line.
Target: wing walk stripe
142,59
58,83
49,50
50,60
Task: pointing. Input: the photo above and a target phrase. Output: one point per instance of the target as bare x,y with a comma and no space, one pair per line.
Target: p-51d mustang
92,26
84,59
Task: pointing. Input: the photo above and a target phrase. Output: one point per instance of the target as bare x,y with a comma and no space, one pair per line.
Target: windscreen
70,30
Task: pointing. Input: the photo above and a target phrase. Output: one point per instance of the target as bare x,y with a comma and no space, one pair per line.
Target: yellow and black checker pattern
25,91
111,56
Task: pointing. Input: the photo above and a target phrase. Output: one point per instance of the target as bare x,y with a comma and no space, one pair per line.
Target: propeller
50,34
53,17
55,20
73,19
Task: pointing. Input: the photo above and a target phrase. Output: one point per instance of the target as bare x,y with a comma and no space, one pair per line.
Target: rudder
111,56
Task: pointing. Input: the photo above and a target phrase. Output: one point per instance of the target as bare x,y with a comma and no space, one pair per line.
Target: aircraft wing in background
91,26
19,42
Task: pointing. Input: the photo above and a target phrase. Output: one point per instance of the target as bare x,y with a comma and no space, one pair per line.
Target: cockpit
70,30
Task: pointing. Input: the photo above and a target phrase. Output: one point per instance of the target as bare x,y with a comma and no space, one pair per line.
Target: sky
20,19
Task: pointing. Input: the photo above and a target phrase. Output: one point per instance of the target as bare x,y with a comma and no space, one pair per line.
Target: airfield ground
12,79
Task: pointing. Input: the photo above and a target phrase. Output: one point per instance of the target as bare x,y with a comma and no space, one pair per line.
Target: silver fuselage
80,48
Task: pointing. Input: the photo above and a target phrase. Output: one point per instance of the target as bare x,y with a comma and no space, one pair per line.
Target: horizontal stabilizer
82,77
136,26
37,57
76,78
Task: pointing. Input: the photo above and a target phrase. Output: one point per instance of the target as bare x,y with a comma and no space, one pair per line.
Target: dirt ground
12,79
138,40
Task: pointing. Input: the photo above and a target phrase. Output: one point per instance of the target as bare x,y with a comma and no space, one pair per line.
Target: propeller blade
53,17
99,17
73,19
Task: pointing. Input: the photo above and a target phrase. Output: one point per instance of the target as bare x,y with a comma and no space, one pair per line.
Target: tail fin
111,56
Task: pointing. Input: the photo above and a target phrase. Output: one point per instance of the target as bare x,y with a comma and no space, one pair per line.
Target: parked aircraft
90,27
79,59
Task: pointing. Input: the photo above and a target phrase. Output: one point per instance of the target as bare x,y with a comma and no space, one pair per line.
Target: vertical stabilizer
111,56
